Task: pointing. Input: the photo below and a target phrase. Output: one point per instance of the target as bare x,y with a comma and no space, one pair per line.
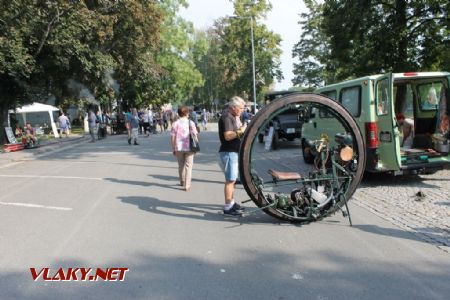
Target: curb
13,158
56,145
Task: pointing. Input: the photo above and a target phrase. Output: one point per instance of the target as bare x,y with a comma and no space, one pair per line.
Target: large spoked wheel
305,192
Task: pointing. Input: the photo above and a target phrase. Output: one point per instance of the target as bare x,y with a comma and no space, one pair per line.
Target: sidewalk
46,146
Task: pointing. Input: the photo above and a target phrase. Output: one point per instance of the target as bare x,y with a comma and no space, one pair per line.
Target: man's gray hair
236,101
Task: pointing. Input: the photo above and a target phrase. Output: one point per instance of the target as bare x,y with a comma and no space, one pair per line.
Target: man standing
204,119
194,118
151,127
92,118
128,125
230,132
64,124
134,126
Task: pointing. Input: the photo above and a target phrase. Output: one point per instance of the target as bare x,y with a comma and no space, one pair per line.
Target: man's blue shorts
229,164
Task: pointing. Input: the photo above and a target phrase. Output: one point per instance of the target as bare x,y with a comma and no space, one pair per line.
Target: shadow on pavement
175,178
379,179
141,183
198,211
252,274
403,234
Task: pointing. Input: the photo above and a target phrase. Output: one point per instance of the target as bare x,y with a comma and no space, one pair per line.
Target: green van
404,118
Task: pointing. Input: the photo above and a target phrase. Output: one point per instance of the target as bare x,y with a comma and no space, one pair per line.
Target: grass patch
77,130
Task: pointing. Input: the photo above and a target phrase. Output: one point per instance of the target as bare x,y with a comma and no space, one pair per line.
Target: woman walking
180,133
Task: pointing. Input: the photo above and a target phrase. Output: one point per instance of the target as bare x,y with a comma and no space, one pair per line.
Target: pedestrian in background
92,124
204,119
230,132
180,133
246,116
141,127
194,118
145,118
64,124
165,116
150,121
134,126
128,125
161,121
102,124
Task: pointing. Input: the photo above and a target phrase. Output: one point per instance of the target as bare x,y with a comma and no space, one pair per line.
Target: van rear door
388,133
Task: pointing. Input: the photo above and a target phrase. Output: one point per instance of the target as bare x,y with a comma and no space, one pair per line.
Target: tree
236,47
357,38
178,76
227,64
211,67
312,48
44,44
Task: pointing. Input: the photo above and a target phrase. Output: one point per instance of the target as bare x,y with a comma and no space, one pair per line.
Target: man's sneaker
235,210
238,206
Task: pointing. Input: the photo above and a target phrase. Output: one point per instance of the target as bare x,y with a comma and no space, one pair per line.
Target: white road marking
34,205
52,177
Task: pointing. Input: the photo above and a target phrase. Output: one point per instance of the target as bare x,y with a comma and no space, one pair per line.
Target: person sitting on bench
30,134
18,132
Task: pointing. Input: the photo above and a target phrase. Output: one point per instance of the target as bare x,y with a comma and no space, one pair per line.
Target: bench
13,147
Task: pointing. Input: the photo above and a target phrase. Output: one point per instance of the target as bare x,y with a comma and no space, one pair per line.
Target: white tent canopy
38,107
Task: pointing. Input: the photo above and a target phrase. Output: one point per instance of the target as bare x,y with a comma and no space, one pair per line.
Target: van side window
351,100
404,100
331,95
382,97
428,92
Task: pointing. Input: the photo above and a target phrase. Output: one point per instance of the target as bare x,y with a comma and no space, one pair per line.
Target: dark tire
261,138
307,155
245,154
275,140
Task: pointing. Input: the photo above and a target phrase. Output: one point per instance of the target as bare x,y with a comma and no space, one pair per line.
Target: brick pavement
419,204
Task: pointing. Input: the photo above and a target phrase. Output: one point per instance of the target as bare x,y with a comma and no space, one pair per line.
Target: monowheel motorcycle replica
309,179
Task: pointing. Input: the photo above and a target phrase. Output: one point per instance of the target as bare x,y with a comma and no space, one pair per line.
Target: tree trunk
3,124
401,63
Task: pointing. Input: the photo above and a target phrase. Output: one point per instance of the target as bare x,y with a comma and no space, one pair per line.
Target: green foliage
236,48
227,65
138,51
45,45
344,39
176,75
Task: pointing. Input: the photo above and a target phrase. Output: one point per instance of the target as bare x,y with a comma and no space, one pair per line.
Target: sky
283,19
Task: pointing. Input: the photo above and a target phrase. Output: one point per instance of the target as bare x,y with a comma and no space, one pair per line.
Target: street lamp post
253,64
252,40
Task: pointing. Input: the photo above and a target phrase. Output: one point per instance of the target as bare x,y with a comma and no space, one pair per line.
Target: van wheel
260,138
275,140
307,156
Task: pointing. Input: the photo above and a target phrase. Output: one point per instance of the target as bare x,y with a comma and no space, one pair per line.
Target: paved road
109,204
